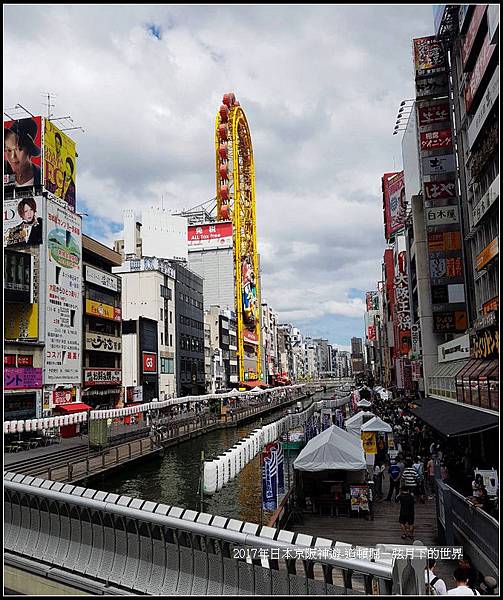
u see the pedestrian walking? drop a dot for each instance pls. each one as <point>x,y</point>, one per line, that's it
<point>394,479</point>
<point>410,478</point>
<point>434,585</point>
<point>406,516</point>
<point>461,577</point>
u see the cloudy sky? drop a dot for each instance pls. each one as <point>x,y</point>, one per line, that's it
<point>320,85</point>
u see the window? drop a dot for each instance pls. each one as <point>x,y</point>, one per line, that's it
<point>170,317</point>
<point>101,296</point>
<point>162,315</point>
<point>170,339</point>
<point>162,338</point>
<point>167,366</point>
<point>165,292</point>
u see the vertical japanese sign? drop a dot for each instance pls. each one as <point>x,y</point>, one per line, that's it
<point>438,179</point>
<point>402,307</point>
<point>269,479</point>
<point>64,296</point>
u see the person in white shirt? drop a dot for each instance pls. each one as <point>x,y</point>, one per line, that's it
<point>462,577</point>
<point>433,580</point>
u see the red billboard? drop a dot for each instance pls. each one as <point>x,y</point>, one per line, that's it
<point>210,234</point>
<point>395,203</point>
<point>439,190</point>
<point>475,77</point>
<point>434,140</point>
<point>23,152</point>
<point>471,34</point>
<point>371,333</point>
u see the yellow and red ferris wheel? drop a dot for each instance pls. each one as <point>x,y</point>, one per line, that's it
<point>235,178</point>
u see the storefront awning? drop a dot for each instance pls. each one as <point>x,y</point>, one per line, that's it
<point>74,408</point>
<point>451,419</point>
<point>450,369</point>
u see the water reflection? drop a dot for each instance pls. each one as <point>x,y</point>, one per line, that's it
<point>174,479</point>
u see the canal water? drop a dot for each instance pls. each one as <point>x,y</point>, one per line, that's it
<point>174,479</point>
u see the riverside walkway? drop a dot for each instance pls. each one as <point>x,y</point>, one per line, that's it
<point>74,461</point>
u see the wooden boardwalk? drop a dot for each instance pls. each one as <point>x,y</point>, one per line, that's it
<point>383,529</point>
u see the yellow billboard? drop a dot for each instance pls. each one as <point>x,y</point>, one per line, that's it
<point>60,163</point>
<point>369,442</point>
<point>21,321</point>
<point>105,311</point>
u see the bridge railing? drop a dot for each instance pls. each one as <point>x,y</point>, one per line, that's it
<point>142,547</point>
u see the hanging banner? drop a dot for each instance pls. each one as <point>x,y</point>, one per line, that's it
<point>269,481</point>
<point>277,448</point>
<point>369,442</point>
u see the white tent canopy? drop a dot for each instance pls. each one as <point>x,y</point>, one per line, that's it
<point>363,404</point>
<point>376,424</point>
<point>334,448</point>
<point>354,423</point>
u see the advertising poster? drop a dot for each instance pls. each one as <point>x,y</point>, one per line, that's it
<point>21,323</point>
<point>430,115</point>
<point>23,222</point>
<point>216,235</point>
<point>22,379</point>
<point>372,300</point>
<point>432,87</point>
<point>23,152</point>
<point>359,495</point>
<point>104,311</point>
<point>439,165</point>
<point>369,442</point>
<point>435,140</point>
<point>429,56</point>
<point>64,296</point>
<point>439,190</point>
<point>395,202</point>
<point>60,164</point>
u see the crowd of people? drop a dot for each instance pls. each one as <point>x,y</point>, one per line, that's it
<point>411,476</point>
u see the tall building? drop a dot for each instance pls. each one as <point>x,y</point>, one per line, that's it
<point>43,274</point>
<point>189,315</point>
<point>149,329</point>
<point>102,326</point>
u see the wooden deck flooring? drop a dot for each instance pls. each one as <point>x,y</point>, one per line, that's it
<point>383,529</point>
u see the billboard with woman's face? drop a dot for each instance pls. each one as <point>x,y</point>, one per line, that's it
<point>23,152</point>
<point>60,164</point>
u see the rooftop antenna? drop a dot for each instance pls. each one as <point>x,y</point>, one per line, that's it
<point>51,117</point>
<point>49,97</point>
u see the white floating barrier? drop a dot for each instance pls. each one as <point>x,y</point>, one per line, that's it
<point>210,477</point>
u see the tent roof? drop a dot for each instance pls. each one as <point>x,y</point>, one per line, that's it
<point>364,403</point>
<point>358,417</point>
<point>376,424</point>
<point>334,448</point>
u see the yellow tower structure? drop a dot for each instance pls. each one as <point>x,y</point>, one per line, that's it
<point>235,179</point>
